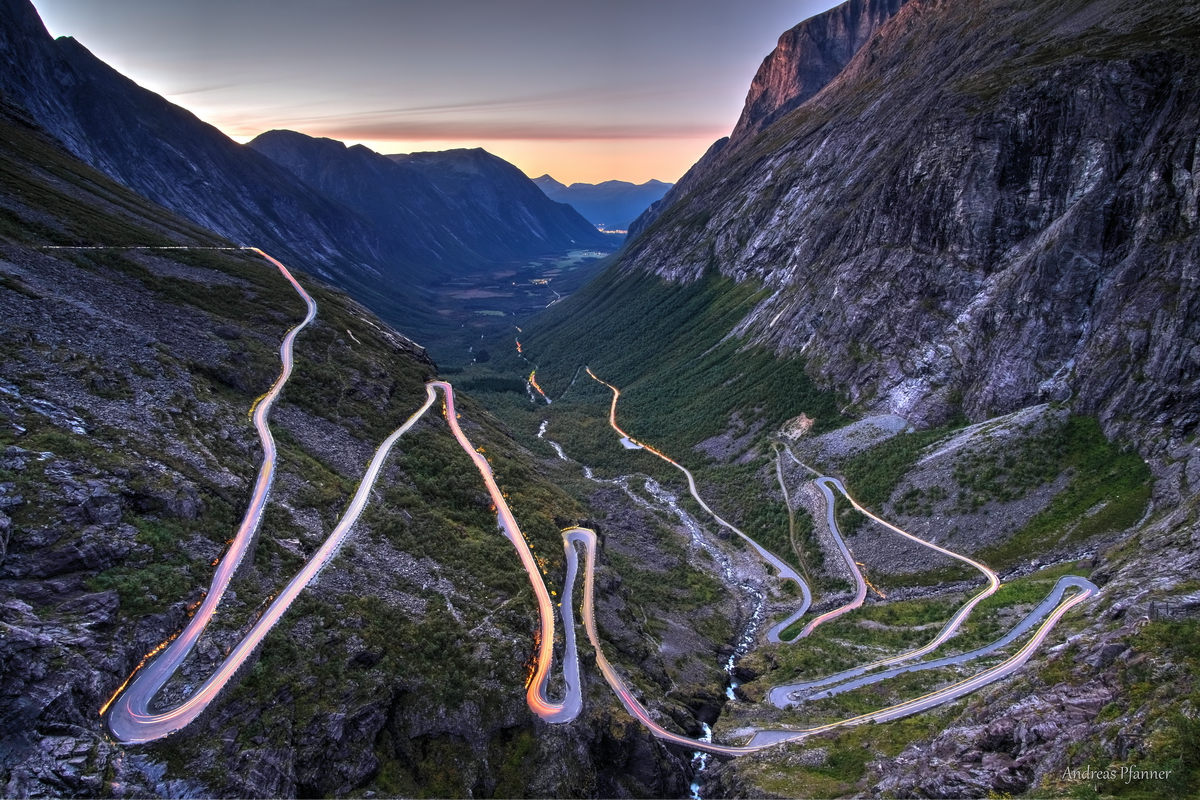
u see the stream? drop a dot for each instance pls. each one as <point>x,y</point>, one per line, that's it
<point>665,500</point>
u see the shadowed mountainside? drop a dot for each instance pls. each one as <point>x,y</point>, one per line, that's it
<point>448,212</point>
<point>357,219</point>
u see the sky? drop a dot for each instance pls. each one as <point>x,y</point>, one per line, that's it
<point>584,91</point>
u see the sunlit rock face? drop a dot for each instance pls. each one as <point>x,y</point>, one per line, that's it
<point>986,208</point>
<point>806,59</point>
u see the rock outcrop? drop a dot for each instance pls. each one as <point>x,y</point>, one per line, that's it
<point>807,59</point>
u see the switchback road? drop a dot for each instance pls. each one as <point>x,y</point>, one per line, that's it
<point>131,719</point>
<point>783,695</point>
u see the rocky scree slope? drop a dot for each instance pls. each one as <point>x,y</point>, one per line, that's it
<point>126,459</point>
<point>990,206</point>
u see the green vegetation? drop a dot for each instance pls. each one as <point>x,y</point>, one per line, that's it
<point>1155,698</point>
<point>894,626</point>
<point>984,475</point>
<point>682,587</point>
<point>174,570</point>
<point>695,387</point>
<point>1108,491</point>
<point>872,475</point>
<point>696,379</point>
<point>862,636</point>
<point>738,492</point>
<point>848,752</point>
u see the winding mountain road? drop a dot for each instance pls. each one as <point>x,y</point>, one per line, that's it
<point>783,696</point>
<point>129,713</point>
<point>129,716</point>
<point>131,719</point>
<point>784,570</point>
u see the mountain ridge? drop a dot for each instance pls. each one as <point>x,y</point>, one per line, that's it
<point>441,231</point>
<point>168,155</point>
<point>806,59</point>
<point>612,204</point>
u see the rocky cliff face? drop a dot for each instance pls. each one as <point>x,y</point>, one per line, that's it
<point>989,206</point>
<point>806,59</point>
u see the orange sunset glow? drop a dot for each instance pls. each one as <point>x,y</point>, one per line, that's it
<point>583,92</point>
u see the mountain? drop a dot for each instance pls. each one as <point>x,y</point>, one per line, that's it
<point>377,227</point>
<point>126,461</point>
<point>612,205</point>
<point>446,212</point>
<point>168,155</point>
<point>975,223</point>
<point>956,273</point>
<point>806,59</point>
<point>968,218</point>
<point>494,190</point>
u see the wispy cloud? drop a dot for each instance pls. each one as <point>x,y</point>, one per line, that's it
<point>216,87</point>
<point>474,130</point>
<point>603,114</point>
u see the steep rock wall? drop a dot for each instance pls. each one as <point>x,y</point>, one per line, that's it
<point>988,207</point>
<point>803,63</point>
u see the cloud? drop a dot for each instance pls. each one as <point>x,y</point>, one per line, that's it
<point>474,130</point>
<point>604,113</point>
<point>216,87</point>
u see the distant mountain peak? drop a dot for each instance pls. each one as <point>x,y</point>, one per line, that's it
<point>448,209</point>
<point>611,205</point>
<point>546,183</point>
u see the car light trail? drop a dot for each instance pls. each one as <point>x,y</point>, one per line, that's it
<point>784,569</point>
<point>533,382</point>
<point>781,696</point>
<point>127,711</point>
